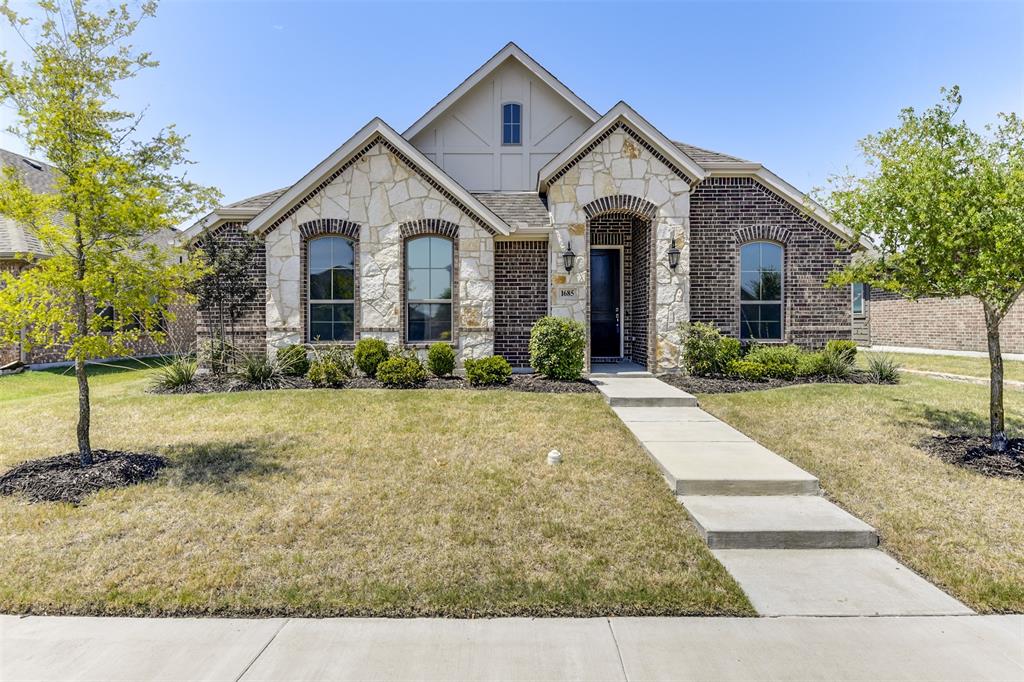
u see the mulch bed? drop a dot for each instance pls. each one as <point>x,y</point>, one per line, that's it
<point>692,384</point>
<point>64,479</point>
<point>972,452</point>
<point>523,383</point>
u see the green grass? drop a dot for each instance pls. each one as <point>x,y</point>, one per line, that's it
<point>960,529</point>
<point>350,502</point>
<point>951,364</point>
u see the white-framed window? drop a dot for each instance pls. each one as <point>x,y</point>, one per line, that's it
<point>761,291</point>
<point>428,289</point>
<point>511,123</point>
<point>858,298</point>
<point>331,281</point>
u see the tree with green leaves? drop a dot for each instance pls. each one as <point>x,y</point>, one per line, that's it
<point>114,189</point>
<point>944,206</point>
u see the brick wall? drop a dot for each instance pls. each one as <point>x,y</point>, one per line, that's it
<point>727,212</point>
<point>251,327</point>
<point>632,233</point>
<point>940,323</point>
<point>520,296</point>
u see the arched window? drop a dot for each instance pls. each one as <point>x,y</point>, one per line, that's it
<point>511,123</point>
<point>331,289</point>
<point>428,289</point>
<point>761,291</point>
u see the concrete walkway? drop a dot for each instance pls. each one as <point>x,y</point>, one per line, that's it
<point>110,649</point>
<point>792,551</point>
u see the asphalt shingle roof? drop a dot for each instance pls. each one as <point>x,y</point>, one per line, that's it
<point>517,209</point>
<point>14,238</point>
<point>259,201</point>
<point>701,155</point>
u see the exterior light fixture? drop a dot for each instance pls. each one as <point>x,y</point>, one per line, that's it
<point>568,257</point>
<point>673,255</point>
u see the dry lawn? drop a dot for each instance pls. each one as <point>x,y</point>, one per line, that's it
<point>952,364</point>
<point>962,530</point>
<point>350,502</point>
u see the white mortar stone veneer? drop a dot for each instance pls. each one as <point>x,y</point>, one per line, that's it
<point>619,165</point>
<point>379,193</point>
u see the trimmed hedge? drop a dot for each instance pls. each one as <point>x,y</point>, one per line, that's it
<point>401,371</point>
<point>706,352</point>
<point>557,346</point>
<point>369,353</point>
<point>441,359</point>
<point>488,371</point>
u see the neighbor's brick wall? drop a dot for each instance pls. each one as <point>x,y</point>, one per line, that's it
<point>520,296</point>
<point>726,212</point>
<point>940,323</point>
<point>10,352</point>
<point>251,327</point>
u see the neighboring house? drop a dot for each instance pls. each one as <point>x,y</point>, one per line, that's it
<point>512,198</point>
<point>956,324</point>
<point>19,249</point>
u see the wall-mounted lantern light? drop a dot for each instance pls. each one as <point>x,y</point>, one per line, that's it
<point>568,257</point>
<point>673,255</point>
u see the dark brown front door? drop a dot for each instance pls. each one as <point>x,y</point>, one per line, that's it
<point>605,303</point>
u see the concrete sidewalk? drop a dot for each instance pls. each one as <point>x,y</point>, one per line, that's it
<point>933,648</point>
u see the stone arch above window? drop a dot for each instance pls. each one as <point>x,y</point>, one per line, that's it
<point>762,233</point>
<point>621,203</point>
<point>426,226</point>
<point>326,226</point>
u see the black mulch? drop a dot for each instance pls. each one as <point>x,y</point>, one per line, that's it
<point>972,452</point>
<point>692,384</point>
<point>524,383</point>
<point>64,479</point>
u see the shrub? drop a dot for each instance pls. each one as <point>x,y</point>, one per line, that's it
<point>883,369</point>
<point>836,363</point>
<point>779,362</point>
<point>487,371</point>
<point>401,371</point>
<point>259,371</point>
<point>441,359</point>
<point>557,345</point>
<point>330,368</point>
<point>809,365</point>
<point>369,354</point>
<point>746,369</point>
<point>179,372</point>
<point>843,347</point>
<point>706,352</point>
<point>293,361</point>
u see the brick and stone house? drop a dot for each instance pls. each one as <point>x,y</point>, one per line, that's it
<point>19,249</point>
<point>512,198</point>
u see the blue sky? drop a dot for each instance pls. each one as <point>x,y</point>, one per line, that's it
<point>268,89</point>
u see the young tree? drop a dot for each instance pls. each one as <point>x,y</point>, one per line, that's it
<point>945,207</point>
<point>227,287</point>
<point>112,190</point>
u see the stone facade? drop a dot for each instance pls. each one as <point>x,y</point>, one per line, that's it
<point>940,323</point>
<point>520,296</point>
<point>382,193</point>
<point>725,213</point>
<point>620,174</point>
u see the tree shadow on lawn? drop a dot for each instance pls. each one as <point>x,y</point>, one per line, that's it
<point>952,422</point>
<point>225,466</point>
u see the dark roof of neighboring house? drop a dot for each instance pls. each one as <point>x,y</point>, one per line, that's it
<point>517,209</point>
<point>14,238</point>
<point>701,155</point>
<point>260,201</point>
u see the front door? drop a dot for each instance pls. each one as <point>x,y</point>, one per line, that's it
<point>605,303</point>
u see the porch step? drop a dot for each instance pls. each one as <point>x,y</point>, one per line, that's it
<point>624,391</point>
<point>728,468</point>
<point>776,522</point>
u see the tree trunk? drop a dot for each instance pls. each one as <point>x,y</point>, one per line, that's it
<point>997,419</point>
<point>84,442</point>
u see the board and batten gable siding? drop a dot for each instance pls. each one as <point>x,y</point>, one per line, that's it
<point>465,140</point>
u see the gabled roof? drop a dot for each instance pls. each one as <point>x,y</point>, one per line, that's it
<point>518,209</point>
<point>15,240</point>
<point>624,115</point>
<point>701,155</point>
<point>376,129</point>
<point>510,51</point>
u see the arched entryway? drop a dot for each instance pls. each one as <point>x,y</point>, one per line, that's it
<point>620,311</point>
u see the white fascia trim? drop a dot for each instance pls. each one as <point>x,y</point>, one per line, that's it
<point>214,219</point>
<point>342,154</point>
<point>534,67</point>
<point>624,113</point>
<point>730,169</point>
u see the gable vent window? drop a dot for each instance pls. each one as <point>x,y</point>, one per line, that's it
<point>512,123</point>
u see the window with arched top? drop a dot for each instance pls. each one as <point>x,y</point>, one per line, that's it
<point>331,282</point>
<point>428,289</point>
<point>761,291</point>
<point>511,123</point>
